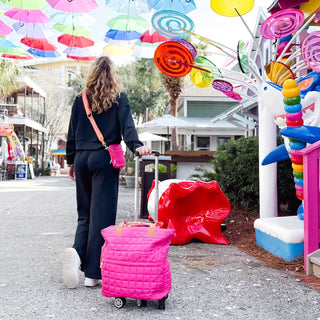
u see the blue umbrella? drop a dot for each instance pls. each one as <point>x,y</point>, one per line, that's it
<point>122,35</point>
<point>129,6</point>
<point>183,6</point>
<point>44,54</point>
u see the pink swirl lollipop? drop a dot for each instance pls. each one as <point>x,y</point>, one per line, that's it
<point>310,49</point>
<point>282,24</point>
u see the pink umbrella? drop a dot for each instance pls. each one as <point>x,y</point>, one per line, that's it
<point>73,6</point>
<point>81,58</point>
<point>153,37</point>
<point>31,16</point>
<point>4,29</point>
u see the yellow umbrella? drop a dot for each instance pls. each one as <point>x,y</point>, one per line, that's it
<point>227,7</point>
<point>117,50</point>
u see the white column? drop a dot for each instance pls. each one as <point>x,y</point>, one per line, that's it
<point>268,173</point>
<point>188,138</point>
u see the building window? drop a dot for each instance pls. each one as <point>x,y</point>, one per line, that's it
<point>222,140</point>
<point>203,143</point>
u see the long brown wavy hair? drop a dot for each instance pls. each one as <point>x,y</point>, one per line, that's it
<point>103,84</point>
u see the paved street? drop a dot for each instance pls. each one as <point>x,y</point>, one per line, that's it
<point>38,219</point>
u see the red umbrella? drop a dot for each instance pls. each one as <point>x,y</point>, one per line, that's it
<point>152,37</point>
<point>15,56</point>
<point>81,58</point>
<point>75,41</point>
<point>38,43</point>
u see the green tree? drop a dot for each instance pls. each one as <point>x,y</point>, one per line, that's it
<point>143,86</point>
<point>9,74</point>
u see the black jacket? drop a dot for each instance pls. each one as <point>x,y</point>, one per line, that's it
<point>114,124</point>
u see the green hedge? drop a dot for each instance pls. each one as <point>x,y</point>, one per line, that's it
<point>236,166</point>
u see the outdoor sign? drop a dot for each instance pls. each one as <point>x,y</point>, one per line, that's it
<point>21,171</point>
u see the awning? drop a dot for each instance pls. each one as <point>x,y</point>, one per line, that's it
<point>59,152</point>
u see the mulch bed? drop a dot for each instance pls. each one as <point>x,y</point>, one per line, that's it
<point>240,233</point>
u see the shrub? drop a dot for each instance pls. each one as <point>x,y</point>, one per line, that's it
<point>236,166</point>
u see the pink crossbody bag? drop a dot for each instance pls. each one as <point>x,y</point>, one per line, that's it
<point>115,150</point>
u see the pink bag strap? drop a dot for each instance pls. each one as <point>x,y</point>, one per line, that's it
<point>92,121</point>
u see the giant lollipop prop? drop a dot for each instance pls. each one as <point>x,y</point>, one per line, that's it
<point>310,49</point>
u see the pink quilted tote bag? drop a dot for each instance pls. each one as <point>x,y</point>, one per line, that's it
<point>134,261</point>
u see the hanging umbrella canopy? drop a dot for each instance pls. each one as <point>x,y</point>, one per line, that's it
<point>122,35</point>
<point>117,50</point>
<point>227,7</point>
<point>128,43</point>
<point>44,54</point>
<point>29,16</point>
<point>147,136</point>
<point>153,37</point>
<point>76,31</point>
<point>75,41</point>
<point>4,29</point>
<point>32,30</point>
<point>74,19</point>
<point>127,22</point>
<point>183,6</point>
<point>81,58</point>
<point>26,4</point>
<point>24,56</point>
<point>73,6</point>
<point>134,7</point>
<point>38,43</point>
<point>78,52</point>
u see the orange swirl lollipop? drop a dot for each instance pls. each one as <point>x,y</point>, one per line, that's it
<point>173,59</point>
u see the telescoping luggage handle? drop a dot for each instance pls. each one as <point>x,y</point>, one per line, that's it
<point>156,182</point>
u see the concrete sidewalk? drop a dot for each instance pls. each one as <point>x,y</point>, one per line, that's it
<point>38,220</point>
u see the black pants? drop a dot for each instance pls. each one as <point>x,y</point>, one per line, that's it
<point>97,184</point>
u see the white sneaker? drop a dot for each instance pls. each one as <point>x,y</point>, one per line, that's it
<point>88,282</point>
<point>70,267</point>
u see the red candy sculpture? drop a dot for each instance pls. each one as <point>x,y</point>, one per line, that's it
<point>194,210</point>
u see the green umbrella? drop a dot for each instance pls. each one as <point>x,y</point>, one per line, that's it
<point>26,4</point>
<point>74,30</point>
<point>128,22</point>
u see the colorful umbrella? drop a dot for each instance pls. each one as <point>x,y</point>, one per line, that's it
<point>7,46</point>
<point>117,50</point>
<point>26,4</point>
<point>75,31</point>
<point>44,54</point>
<point>75,41</point>
<point>73,6</point>
<point>122,35</point>
<point>32,30</point>
<point>129,6</point>
<point>75,19</point>
<point>183,6</point>
<point>153,37</point>
<point>144,49</point>
<point>4,29</point>
<point>81,58</point>
<point>231,8</point>
<point>24,56</point>
<point>120,42</point>
<point>29,16</point>
<point>38,43</point>
<point>78,52</point>
<point>127,22</point>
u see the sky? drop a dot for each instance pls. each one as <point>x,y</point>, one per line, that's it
<point>225,30</point>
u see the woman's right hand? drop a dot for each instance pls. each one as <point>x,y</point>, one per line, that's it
<point>71,173</point>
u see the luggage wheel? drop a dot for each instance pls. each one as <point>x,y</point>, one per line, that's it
<point>162,303</point>
<point>141,303</point>
<point>119,302</point>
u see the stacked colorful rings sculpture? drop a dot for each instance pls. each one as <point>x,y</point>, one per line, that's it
<point>282,24</point>
<point>293,107</point>
<point>310,49</point>
<point>169,24</point>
